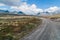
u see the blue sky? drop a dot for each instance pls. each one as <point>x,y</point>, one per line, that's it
<point>39,3</point>
<point>44,3</point>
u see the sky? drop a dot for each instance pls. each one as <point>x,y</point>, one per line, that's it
<point>30,6</point>
<point>44,3</point>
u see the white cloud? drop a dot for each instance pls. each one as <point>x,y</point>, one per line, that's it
<point>3,8</point>
<point>28,9</point>
<point>11,2</point>
<point>52,9</point>
<point>18,5</point>
<point>1,4</point>
<point>33,10</point>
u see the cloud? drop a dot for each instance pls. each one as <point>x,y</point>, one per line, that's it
<point>52,9</point>
<point>19,5</point>
<point>11,2</point>
<point>1,4</point>
<point>33,10</point>
<point>28,9</point>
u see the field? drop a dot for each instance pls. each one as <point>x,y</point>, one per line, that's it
<point>14,28</point>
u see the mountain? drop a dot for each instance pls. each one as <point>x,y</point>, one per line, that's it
<point>38,13</point>
<point>4,11</point>
<point>14,13</point>
<point>21,13</point>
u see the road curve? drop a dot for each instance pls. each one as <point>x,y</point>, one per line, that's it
<point>49,30</point>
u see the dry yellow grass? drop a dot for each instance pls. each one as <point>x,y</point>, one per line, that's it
<point>14,27</point>
<point>55,16</point>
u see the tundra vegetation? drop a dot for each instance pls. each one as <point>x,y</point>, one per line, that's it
<point>16,28</point>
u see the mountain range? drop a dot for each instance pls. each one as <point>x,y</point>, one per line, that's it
<point>6,12</point>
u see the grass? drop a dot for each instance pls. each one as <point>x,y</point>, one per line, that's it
<point>16,28</point>
<point>55,16</point>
